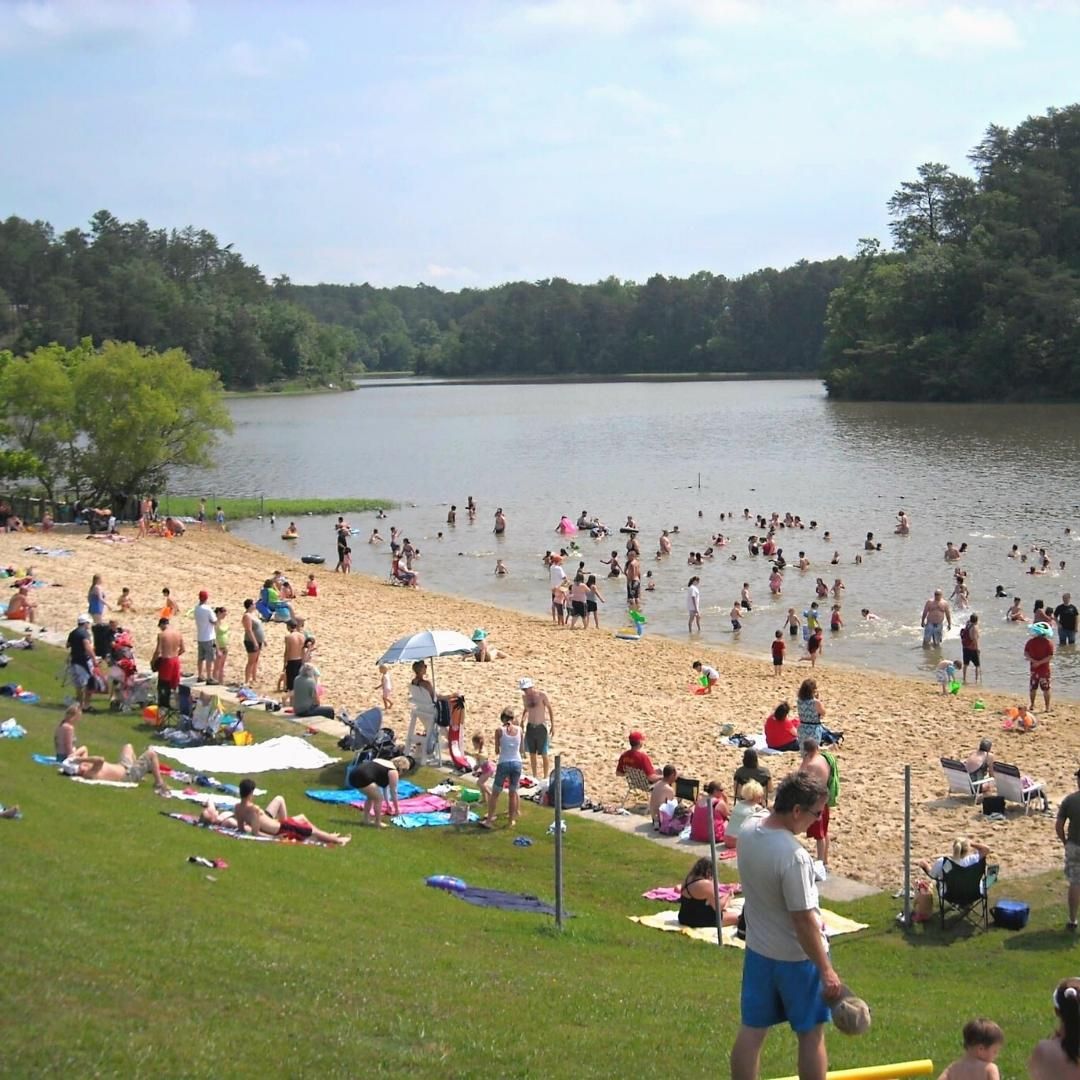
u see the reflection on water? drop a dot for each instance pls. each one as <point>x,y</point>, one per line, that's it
<point>989,476</point>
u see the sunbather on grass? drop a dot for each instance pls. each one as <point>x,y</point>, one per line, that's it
<point>129,769</point>
<point>273,821</point>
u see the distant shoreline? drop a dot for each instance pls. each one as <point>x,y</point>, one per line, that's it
<point>379,380</point>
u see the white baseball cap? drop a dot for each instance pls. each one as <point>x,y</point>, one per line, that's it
<point>525,684</point>
<point>84,618</point>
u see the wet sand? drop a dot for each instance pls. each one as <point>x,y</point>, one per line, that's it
<point>600,689</point>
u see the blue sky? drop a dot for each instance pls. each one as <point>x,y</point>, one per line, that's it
<point>473,142</point>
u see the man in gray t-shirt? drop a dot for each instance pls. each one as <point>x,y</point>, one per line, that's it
<point>1068,832</point>
<point>787,973</point>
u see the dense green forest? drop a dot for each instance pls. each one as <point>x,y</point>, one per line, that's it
<point>981,299</point>
<point>123,281</point>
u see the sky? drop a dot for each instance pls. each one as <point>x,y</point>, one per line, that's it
<point>463,143</point>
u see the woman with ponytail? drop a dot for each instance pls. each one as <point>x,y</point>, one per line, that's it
<point>1058,1058</point>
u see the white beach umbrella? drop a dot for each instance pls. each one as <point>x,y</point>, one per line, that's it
<point>426,645</point>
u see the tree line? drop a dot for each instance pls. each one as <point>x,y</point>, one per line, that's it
<point>980,300</point>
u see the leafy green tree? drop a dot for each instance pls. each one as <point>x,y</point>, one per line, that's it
<point>140,414</point>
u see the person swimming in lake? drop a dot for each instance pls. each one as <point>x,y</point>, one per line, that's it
<point>500,568</point>
<point>291,533</point>
<point>1016,612</point>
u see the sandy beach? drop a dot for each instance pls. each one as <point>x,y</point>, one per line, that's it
<point>600,688</point>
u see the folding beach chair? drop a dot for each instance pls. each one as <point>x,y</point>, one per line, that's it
<point>960,781</point>
<point>964,889</point>
<point>637,785</point>
<point>1013,787</point>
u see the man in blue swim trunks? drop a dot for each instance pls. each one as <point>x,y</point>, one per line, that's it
<point>787,972</point>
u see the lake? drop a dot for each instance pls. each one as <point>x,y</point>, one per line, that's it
<point>681,454</point>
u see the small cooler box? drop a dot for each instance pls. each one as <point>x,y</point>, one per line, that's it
<point>1010,914</point>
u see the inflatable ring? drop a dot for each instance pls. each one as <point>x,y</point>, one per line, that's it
<point>290,536</point>
<point>312,560</point>
<point>445,881</point>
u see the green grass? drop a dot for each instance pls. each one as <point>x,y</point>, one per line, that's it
<point>293,388</point>
<point>188,506</point>
<point>122,959</point>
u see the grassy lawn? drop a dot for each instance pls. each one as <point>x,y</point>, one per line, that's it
<point>188,506</point>
<point>123,959</point>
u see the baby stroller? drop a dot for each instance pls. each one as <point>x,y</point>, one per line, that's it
<point>368,738</point>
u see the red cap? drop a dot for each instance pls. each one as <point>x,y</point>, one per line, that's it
<point>636,736</point>
<point>203,596</point>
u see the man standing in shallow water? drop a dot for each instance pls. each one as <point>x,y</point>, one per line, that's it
<point>935,613</point>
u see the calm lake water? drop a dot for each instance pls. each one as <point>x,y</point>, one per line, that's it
<point>989,476</point>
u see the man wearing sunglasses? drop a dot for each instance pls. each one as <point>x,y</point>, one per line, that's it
<point>787,973</point>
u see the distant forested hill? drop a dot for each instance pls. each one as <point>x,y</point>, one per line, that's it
<point>981,299</point>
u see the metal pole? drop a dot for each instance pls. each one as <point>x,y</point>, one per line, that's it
<point>557,780</point>
<point>907,847</point>
<point>715,877</point>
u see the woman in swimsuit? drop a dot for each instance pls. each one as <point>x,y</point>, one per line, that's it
<point>698,898</point>
<point>372,778</point>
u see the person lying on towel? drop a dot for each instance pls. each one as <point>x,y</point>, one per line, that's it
<point>130,769</point>
<point>273,821</point>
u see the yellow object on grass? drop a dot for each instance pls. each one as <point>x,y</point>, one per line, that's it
<point>898,1071</point>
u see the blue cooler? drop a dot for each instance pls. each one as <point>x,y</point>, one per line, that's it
<point>1010,914</point>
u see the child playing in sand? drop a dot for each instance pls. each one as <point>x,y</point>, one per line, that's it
<point>312,586</point>
<point>484,769</point>
<point>386,686</point>
<point>983,1040</point>
<point>778,648</point>
<point>945,673</point>
<point>125,603</point>
<point>836,620</point>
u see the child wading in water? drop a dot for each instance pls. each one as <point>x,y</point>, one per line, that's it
<point>484,769</point>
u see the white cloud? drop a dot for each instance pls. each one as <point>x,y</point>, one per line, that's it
<point>614,17</point>
<point>261,61</point>
<point>36,23</point>
<point>437,272</point>
<point>932,29</point>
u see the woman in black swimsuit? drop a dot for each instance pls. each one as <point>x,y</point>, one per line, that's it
<point>372,778</point>
<point>697,898</point>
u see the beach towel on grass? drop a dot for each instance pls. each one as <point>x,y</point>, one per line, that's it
<point>835,925</point>
<point>421,821</point>
<point>235,834</point>
<point>45,759</point>
<point>506,901</point>
<point>284,752</point>
<point>405,790</point>
<point>674,892</point>
<point>103,783</point>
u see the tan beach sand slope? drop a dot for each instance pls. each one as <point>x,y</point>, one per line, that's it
<point>601,688</point>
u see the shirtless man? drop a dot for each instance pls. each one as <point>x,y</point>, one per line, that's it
<point>951,554</point>
<point>273,821</point>
<point>537,709</point>
<point>903,524</point>
<point>814,764</point>
<point>935,613</point>
<point>168,649</point>
<point>129,769</point>
<point>294,655</point>
<point>632,573</point>
<point>665,543</point>
<point>500,522</point>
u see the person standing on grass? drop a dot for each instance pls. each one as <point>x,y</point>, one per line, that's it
<point>787,972</point>
<point>168,649</point>
<point>1067,827</point>
<point>205,619</point>
<point>81,661</point>
<point>508,767</point>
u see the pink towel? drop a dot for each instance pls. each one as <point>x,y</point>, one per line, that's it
<point>672,892</point>
<point>417,804</point>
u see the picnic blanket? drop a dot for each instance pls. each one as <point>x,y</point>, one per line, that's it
<point>673,892</point>
<point>835,925</point>
<point>420,821</point>
<point>505,901</point>
<point>284,752</point>
<point>188,819</point>
<point>760,745</point>
<point>405,789</point>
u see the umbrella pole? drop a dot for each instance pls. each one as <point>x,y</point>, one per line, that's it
<point>438,737</point>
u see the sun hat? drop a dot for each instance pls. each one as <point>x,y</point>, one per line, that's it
<point>525,684</point>
<point>479,635</point>
<point>636,736</point>
<point>84,618</point>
